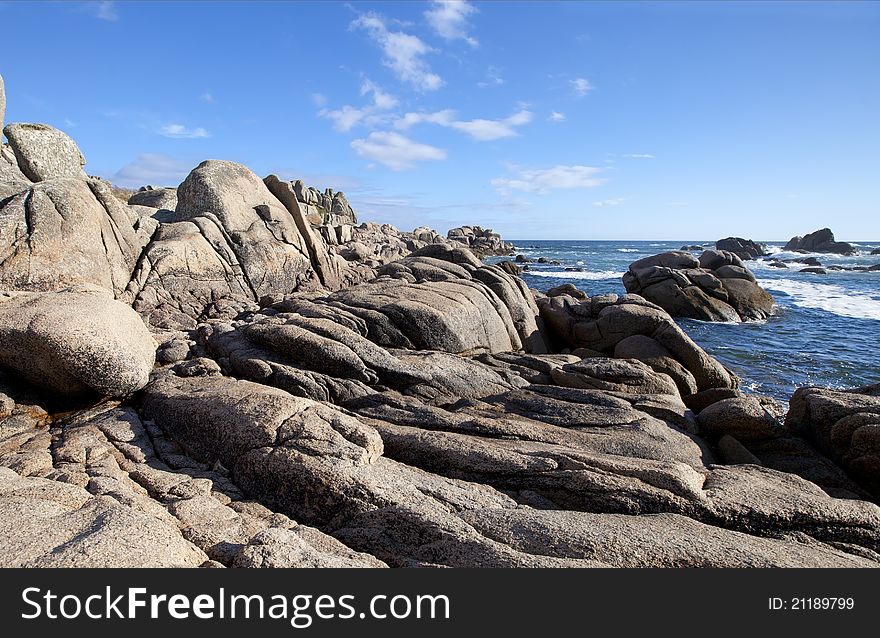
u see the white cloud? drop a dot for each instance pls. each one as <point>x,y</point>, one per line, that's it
<point>544,180</point>
<point>151,168</point>
<point>206,97</point>
<point>319,99</point>
<point>402,53</point>
<point>179,131</point>
<point>617,201</point>
<point>69,122</point>
<point>639,156</point>
<point>348,116</point>
<point>556,116</point>
<point>581,86</point>
<point>448,19</point>
<point>344,119</point>
<point>487,130</point>
<point>381,100</point>
<point>395,151</point>
<point>105,11</point>
<point>443,118</point>
<point>479,129</point>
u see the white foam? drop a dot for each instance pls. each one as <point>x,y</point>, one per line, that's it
<point>827,297</point>
<point>628,250</point>
<point>573,274</point>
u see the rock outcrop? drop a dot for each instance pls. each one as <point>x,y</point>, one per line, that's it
<point>715,287</point>
<point>745,249</point>
<point>632,328</point>
<point>844,425</point>
<point>481,241</point>
<point>65,232</point>
<point>820,241</point>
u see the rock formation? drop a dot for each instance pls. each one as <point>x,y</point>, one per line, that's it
<point>820,241</point>
<point>845,425</point>
<point>715,287</point>
<point>212,376</point>
<point>481,241</point>
<point>745,249</point>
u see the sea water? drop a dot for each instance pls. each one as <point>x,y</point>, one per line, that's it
<point>825,332</point>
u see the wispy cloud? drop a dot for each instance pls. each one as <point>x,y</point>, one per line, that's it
<point>381,99</point>
<point>347,117</point>
<point>402,52</point>
<point>319,99</point>
<point>545,180</point>
<point>493,78</point>
<point>179,131</point>
<point>206,97</point>
<point>581,86</point>
<point>449,20</point>
<point>556,116</point>
<point>616,201</point>
<point>480,129</point>
<point>395,151</point>
<point>105,11</point>
<point>151,168</point>
<point>639,156</point>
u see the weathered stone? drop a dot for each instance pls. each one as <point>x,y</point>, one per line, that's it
<point>43,152</point>
<point>717,287</point>
<point>164,198</point>
<point>45,523</point>
<point>742,418</point>
<point>66,232</point>
<point>845,425</point>
<point>75,341</point>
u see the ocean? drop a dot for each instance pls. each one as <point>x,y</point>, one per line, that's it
<point>826,331</point>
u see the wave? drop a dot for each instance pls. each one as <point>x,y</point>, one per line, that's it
<point>571,274</point>
<point>828,297</point>
<point>628,250</point>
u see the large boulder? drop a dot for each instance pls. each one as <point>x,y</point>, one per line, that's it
<point>65,232</point>
<point>715,287</point>
<point>742,248</point>
<point>601,323</point>
<point>820,241</point>
<point>43,152</point>
<point>257,228</point>
<point>77,341</point>
<point>843,424</point>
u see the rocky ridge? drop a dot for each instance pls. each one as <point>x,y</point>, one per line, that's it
<point>220,384</point>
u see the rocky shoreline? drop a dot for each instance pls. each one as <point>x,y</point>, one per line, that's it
<point>236,373</point>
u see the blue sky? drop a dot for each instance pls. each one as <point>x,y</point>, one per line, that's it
<point>541,120</point>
